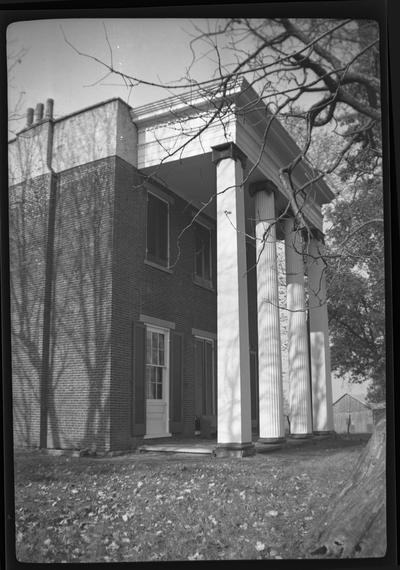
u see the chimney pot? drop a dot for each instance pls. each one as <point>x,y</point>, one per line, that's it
<point>29,117</point>
<point>49,108</point>
<point>39,112</point>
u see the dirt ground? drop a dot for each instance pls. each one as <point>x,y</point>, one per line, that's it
<point>152,506</point>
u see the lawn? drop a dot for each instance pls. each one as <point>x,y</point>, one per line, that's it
<point>145,507</point>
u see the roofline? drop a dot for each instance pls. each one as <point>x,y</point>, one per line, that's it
<point>291,145</point>
<point>90,107</point>
<point>198,97</point>
<point>354,398</point>
<point>150,111</point>
<point>236,88</point>
<point>73,114</point>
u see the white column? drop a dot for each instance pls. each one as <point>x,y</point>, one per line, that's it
<point>319,340</point>
<point>298,356</point>
<point>234,406</point>
<point>271,424</point>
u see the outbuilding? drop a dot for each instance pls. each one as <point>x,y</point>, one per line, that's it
<point>352,415</point>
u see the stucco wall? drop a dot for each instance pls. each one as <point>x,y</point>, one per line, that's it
<point>86,136</point>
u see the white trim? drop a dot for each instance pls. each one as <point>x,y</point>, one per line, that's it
<point>154,321</point>
<point>269,165</point>
<point>158,193</point>
<point>280,133</point>
<point>206,335</point>
<point>157,436</point>
<point>166,379</point>
<point>181,103</point>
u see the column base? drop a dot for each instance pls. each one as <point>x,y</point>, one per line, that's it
<point>234,450</point>
<point>277,440</point>
<point>324,433</point>
<point>300,435</point>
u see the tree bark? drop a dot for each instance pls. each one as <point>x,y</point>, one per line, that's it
<point>355,527</point>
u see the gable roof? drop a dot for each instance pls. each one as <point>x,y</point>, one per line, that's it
<point>370,405</point>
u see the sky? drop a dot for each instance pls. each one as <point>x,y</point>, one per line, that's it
<point>152,49</point>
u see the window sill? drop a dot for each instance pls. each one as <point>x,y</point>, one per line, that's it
<point>157,266</point>
<point>204,284</point>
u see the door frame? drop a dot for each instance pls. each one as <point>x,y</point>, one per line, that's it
<point>149,327</point>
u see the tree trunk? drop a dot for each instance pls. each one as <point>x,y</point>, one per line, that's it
<point>355,527</point>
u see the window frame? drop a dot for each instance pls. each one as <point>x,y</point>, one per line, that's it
<point>200,280</point>
<point>214,387</point>
<point>150,330</point>
<point>152,262</point>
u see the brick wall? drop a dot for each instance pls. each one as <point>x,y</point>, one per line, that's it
<point>27,238</point>
<point>80,346</point>
<point>142,289</point>
<point>81,341</point>
<point>101,285</point>
<point>139,288</point>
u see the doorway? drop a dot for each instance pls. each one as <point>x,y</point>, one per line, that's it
<point>157,382</point>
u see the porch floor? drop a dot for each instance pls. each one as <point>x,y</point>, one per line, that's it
<point>204,446</point>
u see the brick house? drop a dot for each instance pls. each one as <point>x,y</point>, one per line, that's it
<point>116,248</point>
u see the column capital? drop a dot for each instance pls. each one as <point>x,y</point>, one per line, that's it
<point>228,150</point>
<point>263,186</point>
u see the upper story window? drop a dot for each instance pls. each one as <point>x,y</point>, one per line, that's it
<point>157,250</point>
<point>202,260</point>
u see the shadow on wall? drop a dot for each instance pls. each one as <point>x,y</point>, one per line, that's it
<point>79,348</point>
<point>83,290</point>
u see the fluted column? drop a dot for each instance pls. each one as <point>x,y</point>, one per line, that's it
<point>319,338</point>
<point>298,356</point>
<point>271,424</point>
<point>233,380</point>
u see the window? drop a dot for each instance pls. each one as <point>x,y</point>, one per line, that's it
<point>205,385</point>
<point>202,260</point>
<point>157,230</point>
<point>155,364</point>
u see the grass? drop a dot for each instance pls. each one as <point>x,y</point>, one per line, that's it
<point>142,507</point>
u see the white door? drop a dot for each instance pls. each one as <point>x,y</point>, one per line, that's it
<point>157,382</point>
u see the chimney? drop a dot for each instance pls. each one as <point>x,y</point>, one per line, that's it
<point>39,112</point>
<point>49,108</point>
<point>29,117</point>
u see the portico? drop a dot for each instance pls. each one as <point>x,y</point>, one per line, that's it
<point>245,196</point>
